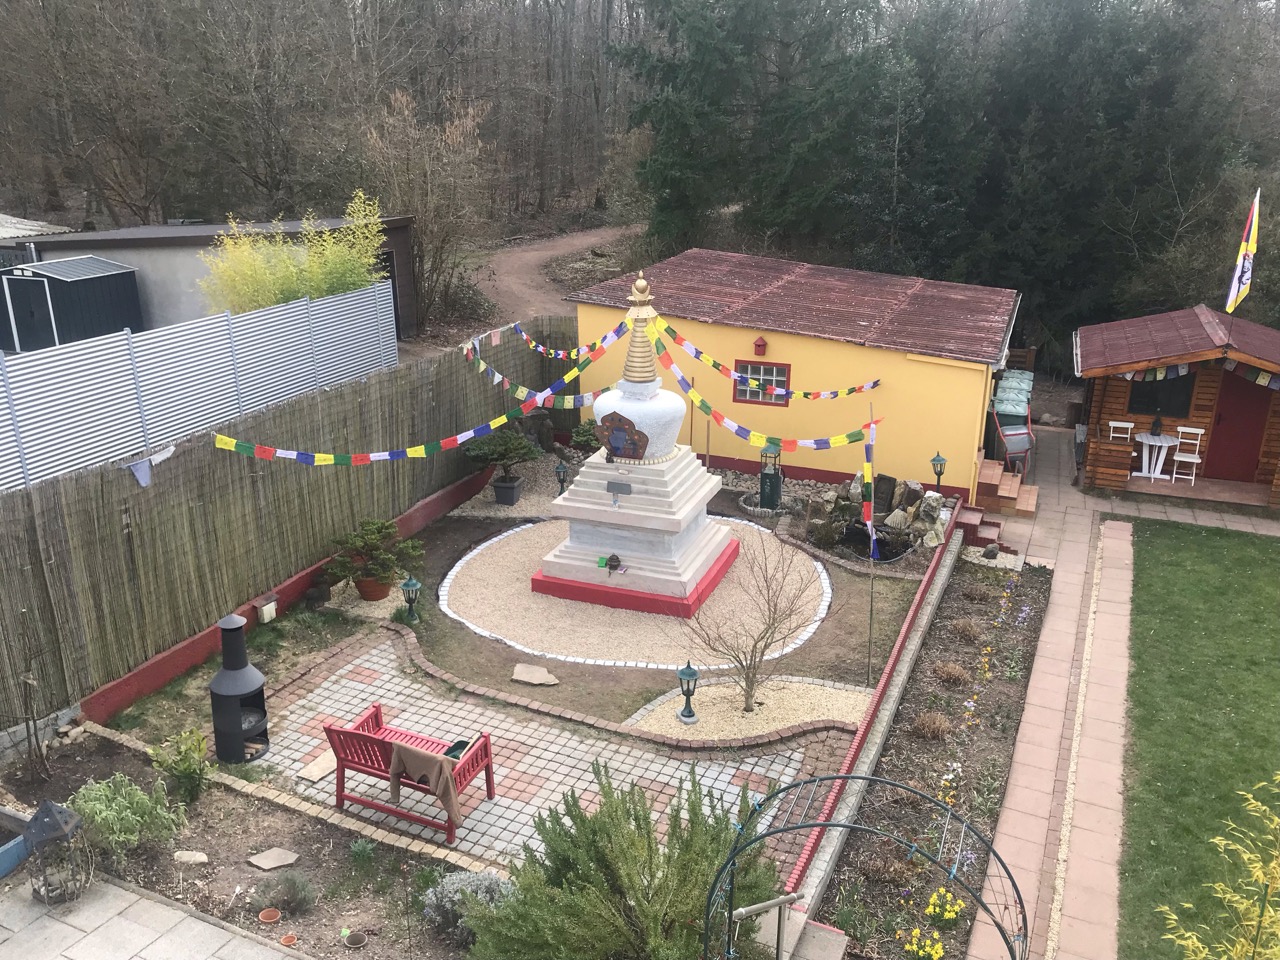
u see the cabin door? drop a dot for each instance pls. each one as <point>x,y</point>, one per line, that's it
<point>1238,425</point>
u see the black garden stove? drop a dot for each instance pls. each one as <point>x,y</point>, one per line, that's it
<point>239,699</point>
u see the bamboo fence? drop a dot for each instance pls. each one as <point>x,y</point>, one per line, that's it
<point>98,573</point>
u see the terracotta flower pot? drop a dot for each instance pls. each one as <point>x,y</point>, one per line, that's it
<point>355,940</point>
<point>372,589</point>
<point>269,915</point>
<point>288,940</point>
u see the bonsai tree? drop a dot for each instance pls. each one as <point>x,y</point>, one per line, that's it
<point>375,551</point>
<point>503,448</point>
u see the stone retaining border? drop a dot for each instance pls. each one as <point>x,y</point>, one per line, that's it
<point>289,801</point>
<point>447,582</point>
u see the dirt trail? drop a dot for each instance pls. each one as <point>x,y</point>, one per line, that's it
<point>514,278</point>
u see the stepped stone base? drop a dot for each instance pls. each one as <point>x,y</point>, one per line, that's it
<point>659,530</point>
<point>620,598</point>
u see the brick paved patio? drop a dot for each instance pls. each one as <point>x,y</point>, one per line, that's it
<point>535,761</point>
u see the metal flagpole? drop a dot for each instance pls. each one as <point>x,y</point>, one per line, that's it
<point>871,605</point>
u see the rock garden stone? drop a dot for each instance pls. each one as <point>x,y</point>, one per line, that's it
<point>535,676</point>
<point>897,520</point>
<point>913,493</point>
<point>882,493</point>
<point>190,857</point>
<point>990,551</point>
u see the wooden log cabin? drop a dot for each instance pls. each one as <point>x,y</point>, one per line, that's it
<point>1193,368</point>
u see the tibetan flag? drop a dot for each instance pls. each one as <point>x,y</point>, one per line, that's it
<point>1243,276</point>
<point>223,443</point>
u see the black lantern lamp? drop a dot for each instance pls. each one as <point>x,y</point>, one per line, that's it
<point>939,464</point>
<point>688,675</point>
<point>60,863</point>
<point>411,588</point>
<point>562,474</point>
<point>770,477</point>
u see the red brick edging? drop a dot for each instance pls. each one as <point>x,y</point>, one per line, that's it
<point>860,739</point>
<point>407,649</point>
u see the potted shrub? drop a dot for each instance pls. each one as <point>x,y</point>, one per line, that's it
<point>372,557</point>
<point>504,449</point>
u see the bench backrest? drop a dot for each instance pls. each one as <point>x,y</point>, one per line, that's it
<point>359,748</point>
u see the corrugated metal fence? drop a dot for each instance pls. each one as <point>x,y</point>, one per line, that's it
<point>85,403</point>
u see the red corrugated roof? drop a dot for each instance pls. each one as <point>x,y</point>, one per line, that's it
<point>1172,337</point>
<point>953,320</point>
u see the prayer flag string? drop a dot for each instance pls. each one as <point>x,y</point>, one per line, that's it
<point>542,398</point>
<point>753,437</point>
<point>754,384</point>
<point>612,336</point>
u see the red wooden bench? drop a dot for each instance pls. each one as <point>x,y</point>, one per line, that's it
<point>366,746</point>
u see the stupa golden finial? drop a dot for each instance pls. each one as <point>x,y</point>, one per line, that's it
<point>640,366</point>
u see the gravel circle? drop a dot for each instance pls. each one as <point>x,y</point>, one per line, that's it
<point>489,590</point>
<point>779,704</point>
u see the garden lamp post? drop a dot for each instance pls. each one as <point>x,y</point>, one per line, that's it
<point>688,676</point>
<point>939,464</point>
<point>411,588</point>
<point>562,474</point>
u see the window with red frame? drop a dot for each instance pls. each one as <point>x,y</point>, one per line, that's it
<point>767,375</point>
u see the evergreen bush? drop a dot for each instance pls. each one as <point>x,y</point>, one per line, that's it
<point>373,552</point>
<point>605,886</point>
<point>584,436</point>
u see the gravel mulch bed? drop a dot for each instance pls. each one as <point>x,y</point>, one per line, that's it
<point>539,489</point>
<point>779,704</point>
<point>491,590</point>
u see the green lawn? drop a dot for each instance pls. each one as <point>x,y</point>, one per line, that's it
<point>1204,713</point>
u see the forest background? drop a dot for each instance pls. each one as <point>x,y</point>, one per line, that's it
<point>1099,156</point>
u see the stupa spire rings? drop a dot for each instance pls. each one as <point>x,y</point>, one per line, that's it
<point>640,366</point>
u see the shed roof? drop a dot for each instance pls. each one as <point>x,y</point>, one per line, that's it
<point>13,228</point>
<point>181,234</point>
<point>73,268</point>
<point>1179,336</point>
<point>908,314</point>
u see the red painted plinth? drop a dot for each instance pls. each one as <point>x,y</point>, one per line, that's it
<point>620,598</point>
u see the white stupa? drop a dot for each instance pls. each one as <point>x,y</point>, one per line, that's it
<point>640,500</point>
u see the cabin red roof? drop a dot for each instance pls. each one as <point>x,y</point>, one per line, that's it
<point>954,320</point>
<point>1193,333</point>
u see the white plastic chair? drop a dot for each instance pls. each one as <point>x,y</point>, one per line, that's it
<point>1120,430</point>
<point>1187,452</point>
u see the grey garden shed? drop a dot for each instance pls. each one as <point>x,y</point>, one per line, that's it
<point>59,301</point>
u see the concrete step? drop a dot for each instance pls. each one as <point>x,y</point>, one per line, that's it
<point>989,476</point>
<point>820,942</point>
<point>1010,484</point>
<point>986,534</point>
<point>1026,502</point>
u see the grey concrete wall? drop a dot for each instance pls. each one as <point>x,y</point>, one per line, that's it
<point>167,279</point>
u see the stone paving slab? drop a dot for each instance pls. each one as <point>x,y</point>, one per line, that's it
<point>112,922</point>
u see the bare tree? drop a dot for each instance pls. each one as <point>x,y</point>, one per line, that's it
<point>777,586</point>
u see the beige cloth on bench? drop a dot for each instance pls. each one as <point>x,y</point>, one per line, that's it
<point>432,769</point>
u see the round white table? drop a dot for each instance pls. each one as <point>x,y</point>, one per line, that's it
<point>1154,449</point>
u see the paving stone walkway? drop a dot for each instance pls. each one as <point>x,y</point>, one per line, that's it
<point>1061,825</point>
<point>535,762</point>
<point>112,923</point>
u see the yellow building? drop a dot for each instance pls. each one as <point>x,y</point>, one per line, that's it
<point>932,346</point>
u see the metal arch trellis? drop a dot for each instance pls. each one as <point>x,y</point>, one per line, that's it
<point>948,841</point>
